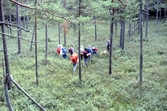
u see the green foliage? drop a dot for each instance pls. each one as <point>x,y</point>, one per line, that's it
<point>60,89</point>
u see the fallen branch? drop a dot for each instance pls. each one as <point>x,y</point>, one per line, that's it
<point>22,90</point>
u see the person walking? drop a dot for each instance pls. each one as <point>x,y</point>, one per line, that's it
<point>86,56</point>
<point>74,61</point>
<point>81,52</point>
<point>63,52</point>
<point>71,50</point>
<point>108,45</point>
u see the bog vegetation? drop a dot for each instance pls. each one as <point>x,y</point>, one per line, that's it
<point>59,89</point>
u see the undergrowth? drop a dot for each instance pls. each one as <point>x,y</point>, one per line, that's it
<point>59,89</point>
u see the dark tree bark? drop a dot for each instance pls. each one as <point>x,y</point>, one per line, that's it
<point>82,27</point>
<point>95,25</point>
<point>7,82</point>
<point>147,18</point>
<point>79,36</point>
<point>32,39</point>
<point>64,39</point>
<point>157,10</point>
<point>74,26</point>
<point>164,15</point>
<point>111,39</point>
<point>19,31</point>
<point>122,35</point>
<point>59,32</point>
<point>10,20</point>
<point>130,28</point>
<point>120,41</point>
<point>116,27</point>
<point>36,46</point>
<point>141,42</point>
<point>46,42</point>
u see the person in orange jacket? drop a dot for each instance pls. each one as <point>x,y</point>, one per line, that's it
<point>74,61</point>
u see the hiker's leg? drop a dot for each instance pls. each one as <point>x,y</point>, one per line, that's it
<point>75,67</point>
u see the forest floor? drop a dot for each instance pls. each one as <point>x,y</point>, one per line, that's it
<point>59,89</point>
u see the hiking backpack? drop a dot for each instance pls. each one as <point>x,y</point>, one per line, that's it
<point>64,50</point>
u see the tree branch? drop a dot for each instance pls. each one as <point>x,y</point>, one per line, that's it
<point>23,5</point>
<point>122,3</point>
<point>16,37</point>
<point>7,24</point>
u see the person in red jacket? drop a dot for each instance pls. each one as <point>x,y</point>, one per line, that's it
<point>74,61</point>
<point>58,49</point>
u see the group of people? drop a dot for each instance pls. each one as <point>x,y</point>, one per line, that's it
<point>85,53</point>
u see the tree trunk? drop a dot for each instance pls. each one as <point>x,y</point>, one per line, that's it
<point>141,42</point>
<point>18,24</point>
<point>122,35</point>
<point>147,18</point>
<point>32,38</point>
<point>7,82</point>
<point>79,36</point>
<point>120,41</point>
<point>10,20</point>
<point>36,49</point>
<point>95,28</point>
<point>116,26</point>
<point>157,12</point>
<point>82,27</point>
<point>130,27</point>
<point>164,15</point>
<point>46,42</point>
<point>59,32</point>
<point>64,39</point>
<point>111,39</point>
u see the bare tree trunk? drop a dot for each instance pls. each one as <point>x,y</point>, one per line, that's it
<point>95,28</point>
<point>120,41</point>
<point>32,38</point>
<point>18,32</point>
<point>7,82</point>
<point>83,27</point>
<point>111,39</point>
<point>122,35</point>
<point>64,39</point>
<point>116,26</point>
<point>10,20</point>
<point>79,36</point>
<point>46,42</point>
<point>59,32</point>
<point>141,42</point>
<point>130,28</point>
<point>157,10</point>
<point>36,46</point>
<point>147,18</point>
<point>164,15</point>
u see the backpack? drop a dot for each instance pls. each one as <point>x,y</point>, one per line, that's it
<point>70,51</point>
<point>58,50</point>
<point>89,50</point>
<point>74,58</point>
<point>96,49</point>
<point>64,50</point>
